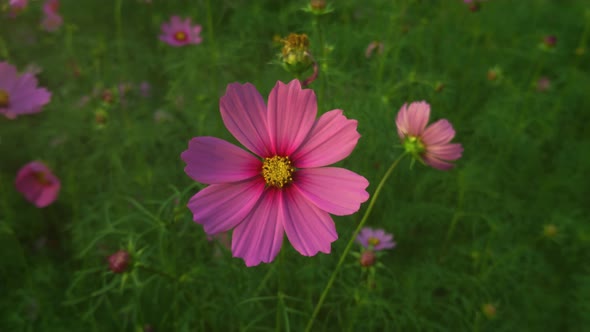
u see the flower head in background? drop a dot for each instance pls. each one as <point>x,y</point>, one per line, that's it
<point>430,145</point>
<point>38,184</point>
<point>543,84</point>
<point>119,261</point>
<point>180,33</point>
<point>284,186</point>
<point>17,6</point>
<point>375,239</point>
<point>374,47</point>
<point>52,20</point>
<point>19,94</point>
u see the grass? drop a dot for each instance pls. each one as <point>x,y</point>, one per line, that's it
<point>466,238</point>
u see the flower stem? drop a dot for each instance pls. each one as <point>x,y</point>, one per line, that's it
<point>351,242</point>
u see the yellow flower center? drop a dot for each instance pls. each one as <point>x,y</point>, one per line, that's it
<point>374,241</point>
<point>277,171</point>
<point>180,36</point>
<point>4,98</point>
<point>414,145</point>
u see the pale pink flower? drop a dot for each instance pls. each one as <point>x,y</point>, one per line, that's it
<point>427,144</point>
<point>19,94</point>
<point>38,184</point>
<point>18,4</point>
<point>284,186</point>
<point>52,22</point>
<point>375,239</point>
<point>180,33</point>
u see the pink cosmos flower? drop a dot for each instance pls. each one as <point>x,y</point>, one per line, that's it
<point>38,184</point>
<point>180,33</point>
<point>52,20</point>
<point>427,144</point>
<point>375,239</point>
<point>284,187</point>
<point>19,93</point>
<point>20,4</point>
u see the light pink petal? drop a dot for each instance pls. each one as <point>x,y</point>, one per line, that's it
<point>8,76</point>
<point>418,115</point>
<point>220,207</point>
<point>308,228</point>
<point>291,114</point>
<point>48,195</point>
<point>213,160</point>
<point>334,190</point>
<point>401,122</point>
<point>196,30</point>
<point>244,114</point>
<point>436,163</point>
<point>446,151</point>
<point>259,237</point>
<point>175,22</point>
<point>440,132</point>
<point>331,139</point>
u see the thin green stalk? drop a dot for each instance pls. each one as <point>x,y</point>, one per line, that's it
<point>212,42</point>
<point>351,242</point>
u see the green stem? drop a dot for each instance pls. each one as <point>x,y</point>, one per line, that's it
<point>351,242</point>
<point>213,43</point>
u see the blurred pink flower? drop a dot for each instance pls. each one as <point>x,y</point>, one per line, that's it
<point>38,184</point>
<point>19,93</point>
<point>52,20</point>
<point>119,261</point>
<point>145,89</point>
<point>180,33</point>
<point>282,188</point>
<point>543,84</point>
<point>375,239</point>
<point>427,144</point>
<point>18,4</point>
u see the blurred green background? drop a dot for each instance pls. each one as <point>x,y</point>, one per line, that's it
<point>500,243</point>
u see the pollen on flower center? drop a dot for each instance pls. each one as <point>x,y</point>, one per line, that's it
<point>414,145</point>
<point>4,98</point>
<point>374,241</point>
<point>277,171</point>
<point>180,36</point>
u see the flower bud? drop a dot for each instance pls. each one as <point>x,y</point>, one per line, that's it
<point>119,261</point>
<point>489,310</point>
<point>550,231</point>
<point>295,53</point>
<point>550,41</point>
<point>317,4</point>
<point>368,258</point>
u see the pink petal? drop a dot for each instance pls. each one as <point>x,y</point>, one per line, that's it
<point>308,228</point>
<point>291,114</point>
<point>244,114</point>
<point>48,195</point>
<point>446,151</point>
<point>259,237</point>
<point>175,22</point>
<point>213,160</point>
<point>8,76</point>
<point>220,207</point>
<point>36,192</point>
<point>436,163</point>
<point>334,190</point>
<point>412,119</point>
<point>438,133</point>
<point>331,139</point>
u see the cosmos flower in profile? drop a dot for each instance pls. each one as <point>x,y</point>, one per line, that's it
<point>19,94</point>
<point>180,33</point>
<point>283,186</point>
<point>37,184</point>
<point>430,145</point>
<point>375,239</point>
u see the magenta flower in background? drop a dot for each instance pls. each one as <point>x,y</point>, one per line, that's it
<point>375,239</point>
<point>284,187</point>
<point>119,261</point>
<point>180,33</point>
<point>19,93</point>
<point>52,20</point>
<point>145,89</point>
<point>427,144</point>
<point>16,6</point>
<point>38,184</point>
